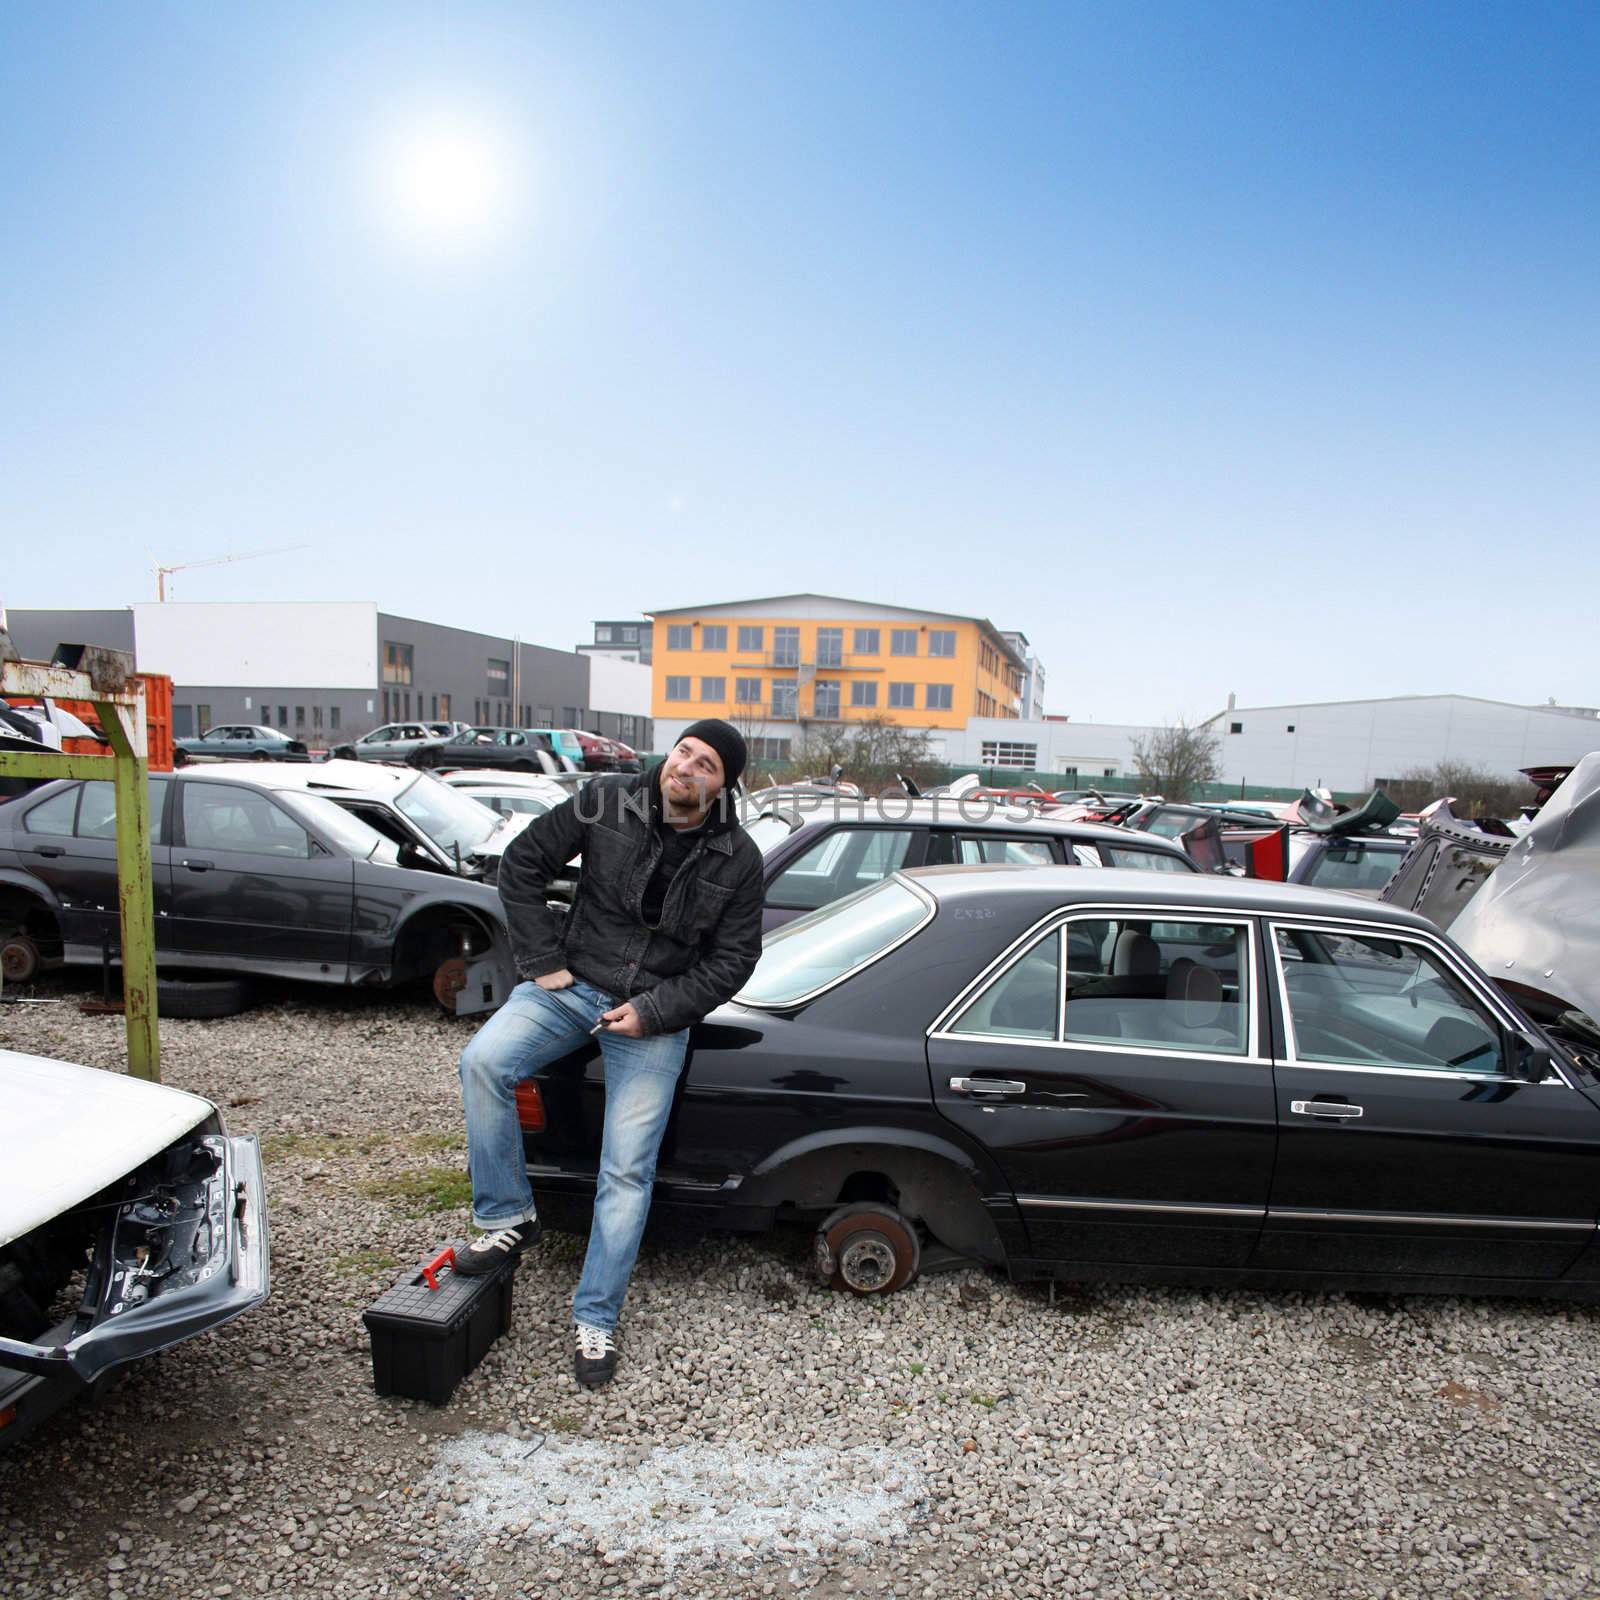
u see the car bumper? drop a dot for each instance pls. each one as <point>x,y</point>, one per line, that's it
<point>221,1236</point>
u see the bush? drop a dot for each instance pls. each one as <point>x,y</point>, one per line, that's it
<point>1473,791</point>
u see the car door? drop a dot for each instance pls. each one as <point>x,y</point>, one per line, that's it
<point>377,745</point>
<point>845,858</point>
<point>251,888</point>
<point>94,856</point>
<point>68,841</point>
<point>1113,1063</point>
<point>1407,1145</point>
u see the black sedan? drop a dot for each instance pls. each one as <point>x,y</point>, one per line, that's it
<point>247,878</point>
<point>239,741</point>
<point>507,749</point>
<point>1141,1077</point>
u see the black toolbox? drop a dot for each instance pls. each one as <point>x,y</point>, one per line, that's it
<point>434,1326</point>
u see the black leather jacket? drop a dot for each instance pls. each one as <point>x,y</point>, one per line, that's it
<point>709,938</point>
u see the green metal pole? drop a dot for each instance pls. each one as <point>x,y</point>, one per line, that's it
<point>135,895</point>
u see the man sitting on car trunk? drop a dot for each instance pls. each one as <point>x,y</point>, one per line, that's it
<point>668,915</point>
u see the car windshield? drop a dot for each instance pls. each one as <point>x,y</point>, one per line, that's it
<point>835,942</point>
<point>450,819</point>
<point>345,830</point>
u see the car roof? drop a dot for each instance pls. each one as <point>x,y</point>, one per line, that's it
<point>895,810</point>
<point>1094,885</point>
<point>492,778</point>
<point>347,777</point>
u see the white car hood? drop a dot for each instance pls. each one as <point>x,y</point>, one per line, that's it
<point>70,1130</point>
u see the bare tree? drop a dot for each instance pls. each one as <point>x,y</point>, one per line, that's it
<point>1475,791</point>
<point>872,752</point>
<point>1176,760</point>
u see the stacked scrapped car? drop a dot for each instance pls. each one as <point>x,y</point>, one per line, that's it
<point>239,741</point>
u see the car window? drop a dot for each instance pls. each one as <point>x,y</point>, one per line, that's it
<point>55,814</point>
<point>350,833</point>
<point>1085,855</point>
<point>1364,1000</point>
<point>516,803</point>
<point>946,848</point>
<point>842,861</point>
<point>1159,985</point>
<point>97,816</point>
<point>835,943</point>
<point>377,736</point>
<point>1353,866</point>
<point>226,816</point>
<point>1024,1002</point>
<point>1143,860</point>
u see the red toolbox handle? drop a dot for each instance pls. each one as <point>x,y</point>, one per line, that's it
<point>445,1258</point>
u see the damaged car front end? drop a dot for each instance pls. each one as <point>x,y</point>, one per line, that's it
<point>129,1221</point>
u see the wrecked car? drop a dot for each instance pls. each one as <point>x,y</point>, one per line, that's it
<point>1534,922</point>
<point>816,850</point>
<point>434,827</point>
<point>129,1221</point>
<point>395,741</point>
<point>1448,861</point>
<point>249,878</point>
<point>239,742</point>
<point>1144,1077</point>
<point>508,749</point>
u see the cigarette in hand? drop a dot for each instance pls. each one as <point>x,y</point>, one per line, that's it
<point>597,1027</point>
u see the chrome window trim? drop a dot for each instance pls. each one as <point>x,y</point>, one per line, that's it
<point>940,1027</point>
<point>1427,1219</point>
<point>1046,1202</point>
<point>930,908</point>
<point>1493,1003</point>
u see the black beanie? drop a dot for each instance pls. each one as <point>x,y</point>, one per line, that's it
<point>727,741</point>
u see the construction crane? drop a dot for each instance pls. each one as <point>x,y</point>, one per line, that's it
<point>163,573</point>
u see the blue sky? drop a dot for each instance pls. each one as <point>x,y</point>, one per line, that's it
<point>1218,347</point>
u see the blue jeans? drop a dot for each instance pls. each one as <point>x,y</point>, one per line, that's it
<point>534,1028</point>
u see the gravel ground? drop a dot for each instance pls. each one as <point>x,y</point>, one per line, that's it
<point>966,1437</point>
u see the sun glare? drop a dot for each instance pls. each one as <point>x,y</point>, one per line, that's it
<point>446,181</point>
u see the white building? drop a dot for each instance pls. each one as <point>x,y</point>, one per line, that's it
<point>1356,745</point>
<point>1079,753</point>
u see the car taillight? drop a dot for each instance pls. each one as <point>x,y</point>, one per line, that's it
<point>530,1106</point>
<point>8,1416</point>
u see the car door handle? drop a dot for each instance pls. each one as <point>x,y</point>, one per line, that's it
<point>988,1086</point>
<point>49,850</point>
<point>199,866</point>
<point>1328,1110</point>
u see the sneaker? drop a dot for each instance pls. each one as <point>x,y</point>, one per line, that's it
<point>490,1250</point>
<point>595,1360</point>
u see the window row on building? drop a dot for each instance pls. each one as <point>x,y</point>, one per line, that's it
<point>828,644</point>
<point>826,695</point>
<point>1019,757</point>
<point>399,667</point>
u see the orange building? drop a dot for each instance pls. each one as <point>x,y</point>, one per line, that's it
<point>773,667</point>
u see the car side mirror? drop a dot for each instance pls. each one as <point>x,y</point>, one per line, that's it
<point>1530,1060</point>
<point>413,855</point>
